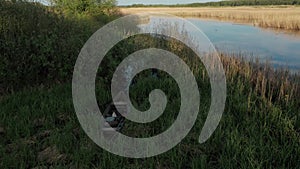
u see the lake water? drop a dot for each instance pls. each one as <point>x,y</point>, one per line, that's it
<point>280,48</point>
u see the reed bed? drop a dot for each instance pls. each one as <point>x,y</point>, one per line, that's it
<point>273,85</point>
<point>286,17</point>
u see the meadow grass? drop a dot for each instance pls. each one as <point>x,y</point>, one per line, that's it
<point>41,129</point>
<point>259,128</point>
<point>286,17</point>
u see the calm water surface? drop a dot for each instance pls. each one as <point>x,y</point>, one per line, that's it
<point>280,48</point>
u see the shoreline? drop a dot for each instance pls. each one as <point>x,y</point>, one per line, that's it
<point>287,18</point>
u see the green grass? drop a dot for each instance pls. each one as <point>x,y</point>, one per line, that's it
<point>260,127</point>
<point>41,129</point>
<point>39,44</point>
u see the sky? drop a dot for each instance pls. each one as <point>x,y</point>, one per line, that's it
<point>130,2</point>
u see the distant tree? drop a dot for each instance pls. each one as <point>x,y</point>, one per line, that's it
<point>81,6</point>
<point>232,3</point>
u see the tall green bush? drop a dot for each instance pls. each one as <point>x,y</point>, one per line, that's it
<point>40,44</point>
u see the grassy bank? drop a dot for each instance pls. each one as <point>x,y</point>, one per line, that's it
<point>39,127</point>
<point>39,44</point>
<point>287,17</point>
<point>260,127</point>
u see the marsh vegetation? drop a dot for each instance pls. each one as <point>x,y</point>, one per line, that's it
<point>260,127</point>
<point>287,17</point>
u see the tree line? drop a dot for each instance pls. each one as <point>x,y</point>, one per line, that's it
<point>229,3</point>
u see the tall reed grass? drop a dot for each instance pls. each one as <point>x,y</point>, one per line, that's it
<point>270,17</point>
<point>273,85</point>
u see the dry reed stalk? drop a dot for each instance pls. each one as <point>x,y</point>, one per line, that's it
<point>272,17</point>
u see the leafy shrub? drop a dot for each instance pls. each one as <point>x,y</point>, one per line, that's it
<point>40,44</point>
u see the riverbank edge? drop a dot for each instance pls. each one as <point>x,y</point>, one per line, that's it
<point>274,17</point>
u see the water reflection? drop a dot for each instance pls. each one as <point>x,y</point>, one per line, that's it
<point>281,48</point>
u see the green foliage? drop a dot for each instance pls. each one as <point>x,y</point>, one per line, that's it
<point>259,129</point>
<point>86,7</point>
<point>252,134</point>
<point>40,44</point>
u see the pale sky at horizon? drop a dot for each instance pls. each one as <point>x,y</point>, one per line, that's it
<point>167,2</point>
